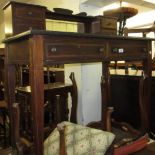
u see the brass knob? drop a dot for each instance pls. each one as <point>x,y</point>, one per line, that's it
<point>144,49</point>
<point>101,49</point>
<point>29,13</point>
<point>53,49</point>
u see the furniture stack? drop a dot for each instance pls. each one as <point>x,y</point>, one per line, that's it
<point>40,48</point>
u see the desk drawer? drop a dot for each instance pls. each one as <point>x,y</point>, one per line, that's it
<point>29,12</point>
<point>71,51</point>
<point>137,50</point>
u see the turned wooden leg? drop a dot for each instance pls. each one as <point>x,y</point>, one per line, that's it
<point>58,112</point>
<point>16,118</point>
<point>109,112</point>
<point>74,95</point>
<point>61,129</point>
<point>23,146</point>
<point>142,105</point>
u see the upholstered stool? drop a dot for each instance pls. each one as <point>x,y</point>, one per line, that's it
<point>79,140</point>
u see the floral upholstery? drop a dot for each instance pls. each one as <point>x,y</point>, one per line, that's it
<point>79,140</point>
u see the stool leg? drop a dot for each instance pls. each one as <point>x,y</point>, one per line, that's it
<point>61,129</point>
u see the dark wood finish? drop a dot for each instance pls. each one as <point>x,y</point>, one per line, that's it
<point>143,111</point>
<point>23,146</point>
<point>3,116</point>
<point>16,114</point>
<point>2,51</point>
<point>125,97</point>
<point>21,17</point>
<point>105,25</point>
<point>105,94</point>
<point>43,48</point>
<point>51,75</point>
<point>74,95</point>
<point>55,105</point>
<point>59,90</point>
<point>2,54</point>
<point>83,48</point>
<point>61,129</point>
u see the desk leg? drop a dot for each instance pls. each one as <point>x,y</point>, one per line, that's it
<point>105,94</point>
<point>74,95</point>
<point>37,91</point>
<point>10,96</point>
<point>145,124</point>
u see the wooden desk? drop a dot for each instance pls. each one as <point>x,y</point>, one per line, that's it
<point>38,48</point>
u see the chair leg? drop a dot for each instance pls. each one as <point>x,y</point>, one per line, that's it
<point>61,129</point>
<point>109,112</point>
<point>74,95</point>
<point>16,117</point>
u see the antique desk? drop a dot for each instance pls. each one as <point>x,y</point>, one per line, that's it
<point>38,48</point>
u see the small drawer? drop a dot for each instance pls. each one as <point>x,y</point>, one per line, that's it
<point>138,50</point>
<point>29,12</point>
<point>109,23</point>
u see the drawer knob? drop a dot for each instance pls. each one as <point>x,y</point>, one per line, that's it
<point>53,49</point>
<point>101,49</point>
<point>29,13</point>
<point>144,49</point>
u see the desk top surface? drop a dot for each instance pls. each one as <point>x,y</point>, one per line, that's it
<point>30,33</point>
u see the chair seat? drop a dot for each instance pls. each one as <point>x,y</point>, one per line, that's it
<point>79,140</point>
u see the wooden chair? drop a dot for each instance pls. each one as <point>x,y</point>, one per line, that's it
<point>25,146</point>
<point>124,128</point>
<point>143,112</point>
<point>136,139</point>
